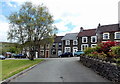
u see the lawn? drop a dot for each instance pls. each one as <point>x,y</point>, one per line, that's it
<point>11,67</point>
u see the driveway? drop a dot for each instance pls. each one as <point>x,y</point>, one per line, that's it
<point>60,70</point>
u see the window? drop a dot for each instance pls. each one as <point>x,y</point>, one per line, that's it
<point>106,35</point>
<point>93,39</point>
<point>84,46</point>
<point>60,44</point>
<point>84,40</point>
<point>67,49</point>
<point>117,35</point>
<point>47,45</point>
<point>67,42</point>
<point>93,45</point>
<point>75,42</point>
<point>53,52</point>
<point>41,52</point>
<point>53,44</point>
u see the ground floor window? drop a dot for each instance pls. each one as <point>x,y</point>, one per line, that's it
<point>53,52</point>
<point>93,45</point>
<point>41,52</point>
<point>84,46</point>
<point>67,49</point>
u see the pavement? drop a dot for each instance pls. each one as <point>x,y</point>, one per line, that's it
<point>60,70</point>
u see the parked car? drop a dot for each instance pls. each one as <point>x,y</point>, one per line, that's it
<point>66,54</point>
<point>19,56</point>
<point>2,57</point>
<point>78,53</point>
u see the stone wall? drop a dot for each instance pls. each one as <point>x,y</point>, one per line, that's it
<point>105,69</point>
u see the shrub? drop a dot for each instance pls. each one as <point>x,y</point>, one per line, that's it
<point>106,46</point>
<point>116,50</point>
<point>89,50</point>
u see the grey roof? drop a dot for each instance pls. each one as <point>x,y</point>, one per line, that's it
<point>108,28</point>
<point>70,36</point>
<point>57,39</point>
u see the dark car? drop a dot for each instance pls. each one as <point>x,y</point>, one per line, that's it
<point>2,57</point>
<point>19,56</point>
<point>66,54</point>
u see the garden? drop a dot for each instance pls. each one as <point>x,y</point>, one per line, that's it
<point>104,59</point>
<point>106,51</point>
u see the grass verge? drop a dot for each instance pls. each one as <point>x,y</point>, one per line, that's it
<point>12,67</point>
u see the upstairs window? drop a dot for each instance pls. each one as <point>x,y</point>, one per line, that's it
<point>60,44</point>
<point>106,36</point>
<point>93,39</point>
<point>53,44</point>
<point>75,42</point>
<point>84,39</point>
<point>117,35</point>
<point>67,42</point>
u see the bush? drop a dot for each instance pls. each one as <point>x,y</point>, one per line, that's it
<point>116,50</point>
<point>106,46</point>
<point>89,50</point>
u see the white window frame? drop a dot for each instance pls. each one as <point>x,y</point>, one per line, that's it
<point>116,35</point>
<point>117,40</point>
<point>66,43</point>
<point>92,39</point>
<point>107,34</point>
<point>84,45</point>
<point>84,38</point>
<point>67,48</point>
<point>92,45</point>
<point>74,42</point>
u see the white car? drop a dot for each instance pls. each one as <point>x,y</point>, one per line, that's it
<point>2,57</point>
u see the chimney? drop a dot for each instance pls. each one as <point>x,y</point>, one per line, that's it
<point>81,29</point>
<point>99,25</point>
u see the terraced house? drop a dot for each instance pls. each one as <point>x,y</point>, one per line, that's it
<point>69,42</point>
<point>56,48</point>
<point>86,38</point>
<point>108,32</point>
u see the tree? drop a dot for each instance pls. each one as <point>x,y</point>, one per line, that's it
<point>30,25</point>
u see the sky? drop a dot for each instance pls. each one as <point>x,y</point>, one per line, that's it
<point>69,15</point>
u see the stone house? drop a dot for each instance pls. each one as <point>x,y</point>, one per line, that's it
<point>56,47</point>
<point>86,38</point>
<point>108,32</point>
<point>69,42</point>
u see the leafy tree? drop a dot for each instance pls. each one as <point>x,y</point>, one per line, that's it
<point>30,25</point>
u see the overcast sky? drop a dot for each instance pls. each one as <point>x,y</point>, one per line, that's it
<point>69,15</point>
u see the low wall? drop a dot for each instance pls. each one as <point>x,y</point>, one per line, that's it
<point>105,69</point>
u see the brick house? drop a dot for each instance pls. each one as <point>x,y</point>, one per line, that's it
<point>86,38</point>
<point>69,42</point>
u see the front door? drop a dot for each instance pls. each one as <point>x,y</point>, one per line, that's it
<point>47,54</point>
<point>75,49</point>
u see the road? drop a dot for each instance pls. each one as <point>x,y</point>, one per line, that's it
<point>60,70</point>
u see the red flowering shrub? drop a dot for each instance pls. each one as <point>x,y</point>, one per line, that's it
<point>106,46</point>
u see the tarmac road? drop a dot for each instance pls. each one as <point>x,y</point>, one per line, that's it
<point>60,70</point>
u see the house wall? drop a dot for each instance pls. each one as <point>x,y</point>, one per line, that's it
<point>71,46</point>
<point>112,37</point>
<point>56,48</point>
<point>89,42</point>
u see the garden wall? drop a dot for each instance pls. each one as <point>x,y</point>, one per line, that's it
<point>105,69</point>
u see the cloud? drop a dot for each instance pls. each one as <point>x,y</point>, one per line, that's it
<point>81,13</point>
<point>4,27</point>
